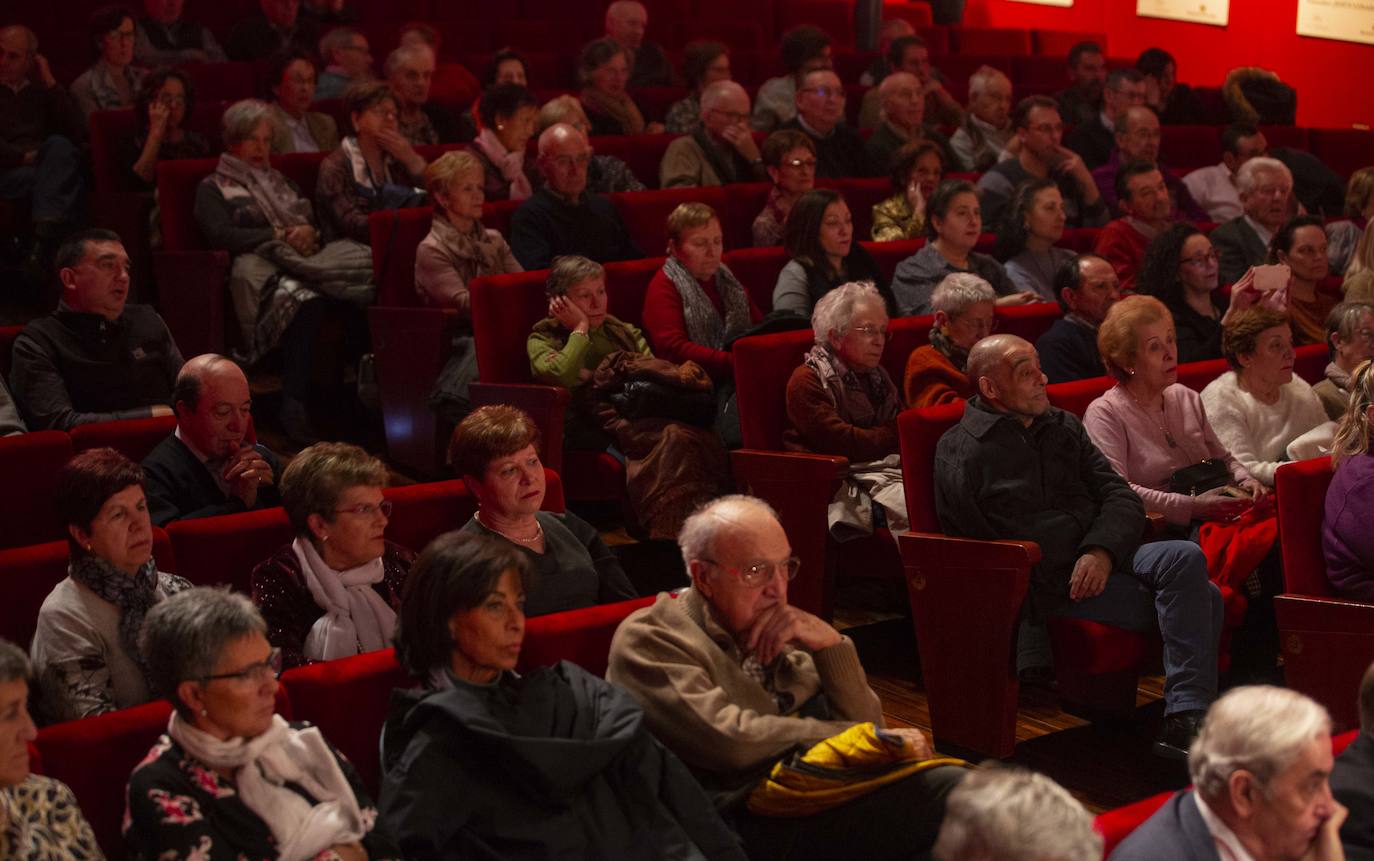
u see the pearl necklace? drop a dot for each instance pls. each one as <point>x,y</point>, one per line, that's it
<point>538,533</point>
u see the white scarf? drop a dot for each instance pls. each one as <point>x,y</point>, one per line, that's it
<point>356,619</point>
<point>511,164</point>
<point>264,764</point>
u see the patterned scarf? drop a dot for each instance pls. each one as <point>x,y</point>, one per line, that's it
<point>704,325</point>
<point>957,355</point>
<point>620,108</point>
<point>1340,378</point>
<point>511,164</point>
<point>476,245</point>
<point>134,595</point>
<point>271,191</point>
<point>867,400</point>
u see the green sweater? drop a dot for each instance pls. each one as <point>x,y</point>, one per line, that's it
<point>558,357</point>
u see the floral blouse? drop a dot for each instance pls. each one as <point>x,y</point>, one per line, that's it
<point>181,810</point>
<point>42,822</point>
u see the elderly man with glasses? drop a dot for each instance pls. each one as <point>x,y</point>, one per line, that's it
<point>820,114</point>
<point>720,149</point>
<point>1094,140</point>
<point>732,679</point>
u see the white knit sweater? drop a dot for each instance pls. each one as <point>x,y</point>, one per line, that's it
<point>1258,434</point>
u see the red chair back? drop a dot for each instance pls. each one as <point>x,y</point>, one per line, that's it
<point>504,308</point>
<point>396,236</point>
<point>1056,43</point>
<point>221,81</point>
<point>581,636</point>
<point>1116,825</point>
<point>1301,495</point>
<point>107,129</point>
<point>133,438</point>
<point>993,40</point>
<point>31,461</point>
<point>1343,150</point>
<point>645,213</point>
<point>919,431</point>
<point>1075,396</point>
<point>757,270</point>
<point>225,549</point>
<point>176,197</point>
<point>743,202</point>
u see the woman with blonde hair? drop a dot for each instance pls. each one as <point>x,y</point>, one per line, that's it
<point>458,249</point>
<point>1347,540</point>
<point>1343,236</point>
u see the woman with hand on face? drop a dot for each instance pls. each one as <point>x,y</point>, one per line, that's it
<point>1301,246</point>
<point>916,171</point>
<point>495,450</point>
<point>1033,224</point>
<point>954,221</point>
<point>935,373</point>
<point>603,70</point>
<point>232,779</point>
<point>508,113</point>
<point>335,589</point>
<point>1180,270</point>
<point>85,648</point>
<point>789,156</point>
<point>113,81</point>
<point>165,99</point>
<point>819,238</point>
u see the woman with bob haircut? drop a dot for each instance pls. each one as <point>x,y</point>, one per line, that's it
<point>481,762</point>
<point>603,72</point>
<point>936,372</point>
<point>508,113</point>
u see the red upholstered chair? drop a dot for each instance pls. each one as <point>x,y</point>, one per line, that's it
<point>1296,137</point>
<point>1188,147</point>
<point>888,254</point>
<point>850,64</point>
<point>835,17</point>
<point>654,103</point>
<point>497,214</point>
<point>224,549</point>
<point>1075,396</point>
<point>1028,321</point>
<point>30,461</point>
<point>395,236</point>
<point>645,213</point>
<point>743,202</point>
<point>1343,150</point>
<point>861,195</point>
<point>1116,825</point>
<point>1056,43</point>
<point>133,438</point>
<point>410,346</point>
<point>221,81</point>
<point>107,128</point>
<point>992,40</point>
<point>1040,73</point>
<point>757,269</point>
<point>580,636</point>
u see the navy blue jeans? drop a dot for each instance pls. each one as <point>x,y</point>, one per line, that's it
<point>54,180</point>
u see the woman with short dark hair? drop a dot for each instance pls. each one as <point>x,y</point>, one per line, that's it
<point>819,237</point>
<point>85,648</point>
<point>789,156</point>
<point>1301,245</point>
<point>508,113</point>
<point>165,99</point>
<point>915,171</point>
<point>113,81</point>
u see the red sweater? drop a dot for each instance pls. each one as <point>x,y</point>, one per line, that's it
<point>666,326</point>
<point>1121,245</point>
<point>932,379</point>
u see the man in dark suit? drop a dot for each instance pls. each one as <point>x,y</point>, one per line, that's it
<point>1260,771</point>
<point>206,467</point>
<point>1265,186</point>
<point>1094,140</point>
<point>1352,780</point>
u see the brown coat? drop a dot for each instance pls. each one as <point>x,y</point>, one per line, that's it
<point>932,379</point>
<point>815,425</point>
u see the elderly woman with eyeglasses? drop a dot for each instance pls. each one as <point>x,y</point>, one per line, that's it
<point>842,401</point>
<point>1350,342</point>
<point>789,156</point>
<point>334,590</point>
<point>232,779</point>
<point>963,305</point>
<point>113,81</point>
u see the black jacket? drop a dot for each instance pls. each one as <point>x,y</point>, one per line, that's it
<point>547,226</point>
<point>1352,782</point>
<point>553,764</point>
<point>1093,141</point>
<point>1068,352</point>
<point>180,487</point>
<point>840,154</point>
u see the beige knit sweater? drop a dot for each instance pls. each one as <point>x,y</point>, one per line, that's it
<point>684,669</point>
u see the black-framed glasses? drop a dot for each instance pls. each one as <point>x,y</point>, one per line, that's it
<point>367,509</point>
<point>256,673</point>
<point>757,574</point>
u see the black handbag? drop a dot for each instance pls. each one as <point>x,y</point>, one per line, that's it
<point>1201,477</point>
<point>648,399</point>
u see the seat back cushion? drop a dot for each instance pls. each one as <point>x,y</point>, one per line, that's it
<point>919,431</point>
<point>1301,496</point>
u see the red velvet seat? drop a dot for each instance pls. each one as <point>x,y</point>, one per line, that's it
<point>1186,148</point>
<point>223,550</point>
<point>743,202</point>
<point>1343,150</point>
<point>645,213</point>
<point>410,346</point>
<point>757,270</point>
<point>835,17</point>
<point>423,512</point>
<point>228,82</point>
<point>1044,72</point>
<point>1056,43</point>
<point>396,236</point>
<point>30,462</point>
<point>133,438</point>
<point>860,194</point>
<point>580,636</point>
<point>992,40</point>
<point>654,103</point>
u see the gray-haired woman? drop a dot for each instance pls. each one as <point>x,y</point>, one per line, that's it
<point>281,260</point>
<point>963,306</point>
<point>41,819</point>
<point>1350,341</point>
<point>231,779</point>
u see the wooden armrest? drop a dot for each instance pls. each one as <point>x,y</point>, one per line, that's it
<point>929,548</point>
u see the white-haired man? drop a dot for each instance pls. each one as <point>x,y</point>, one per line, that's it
<point>626,22</point>
<point>987,128</point>
<point>410,72</point>
<point>1009,814</point>
<point>1265,186</point>
<point>1260,772</point>
<point>347,60</point>
<point>720,149</point>
<point>732,678</point>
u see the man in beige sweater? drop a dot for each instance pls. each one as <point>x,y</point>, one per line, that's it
<point>732,679</point>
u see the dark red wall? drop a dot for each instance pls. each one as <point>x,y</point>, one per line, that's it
<point>1332,78</point>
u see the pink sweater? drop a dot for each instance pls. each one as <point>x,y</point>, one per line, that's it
<point>1134,443</point>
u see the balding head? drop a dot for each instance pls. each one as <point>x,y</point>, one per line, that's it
<point>1138,135</point>
<point>18,45</point>
<point>626,22</point>
<point>903,103</point>
<point>725,106</point>
<point>564,153</point>
<point>736,550</point>
<point>989,96</point>
<point>213,405</point>
<point>1005,370</point>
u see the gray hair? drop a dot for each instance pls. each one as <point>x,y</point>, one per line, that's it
<point>1010,814</point>
<point>568,271</point>
<point>183,637</point>
<point>960,291</point>
<point>335,40</point>
<point>982,78</point>
<point>1247,179</point>
<point>1261,729</point>
<point>14,664</point>
<point>242,118</point>
<point>697,537</point>
<point>835,311</point>
<point>1344,320</point>
<point>404,56</point>
<point>718,91</point>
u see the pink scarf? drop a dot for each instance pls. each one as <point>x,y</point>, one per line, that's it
<point>512,164</point>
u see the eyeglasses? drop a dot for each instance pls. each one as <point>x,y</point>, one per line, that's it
<point>732,116</point>
<point>872,332</point>
<point>1202,260</point>
<point>567,162</point>
<point>758,574</point>
<point>367,509</point>
<point>800,163</point>
<point>256,673</point>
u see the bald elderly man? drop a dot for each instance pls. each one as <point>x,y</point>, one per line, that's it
<point>207,466</point>
<point>902,122</point>
<point>1016,468</point>
<point>732,679</point>
<point>720,149</point>
<point>626,22</point>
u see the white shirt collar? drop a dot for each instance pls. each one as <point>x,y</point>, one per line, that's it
<point>1106,121</point>
<point>1229,846</point>
<point>1265,233</point>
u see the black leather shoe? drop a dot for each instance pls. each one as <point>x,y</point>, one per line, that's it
<point>1176,734</point>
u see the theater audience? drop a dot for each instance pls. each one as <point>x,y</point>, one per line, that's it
<point>507,66</point>
<point>917,169</point>
<point>1350,343</point>
<point>753,679</point>
<point>95,358</point>
<point>1343,235</point>
<point>1214,188</point>
<point>720,148</point>
<point>1300,244</point>
<point>1180,270</point>
<point>563,216</point>
<point>1003,813</point>
<point>1137,139</point>
<point>458,249</point>
<point>694,306</point>
<point>1175,103</point>
<point>1094,138</point>
<point>10,422</point>
<point>1260,409</point>
<point>1352,778</point>
<point>790,159</point>
<point>704,63</point>
<point>1259,769</point>
<point>410,70</point>
<point>373,169</point>
<point>347,60</point>
<point>208,466</point>
<point>841,401</point>
<point>296,128</point>
<point>963,306</point>
<point>1017,468</point>
<point>626,22</point>
<point>495,450</point>
<point>805,49</point>
<point>819,239</point>
<point>508,113</point>
<point>1042,156</point>
<point>42,816</point>
<point>1143,198</point>
<point>569,767</point>
<point>285,281</point>
<point>953,224</point>
<point>902,122</point>
<point>334,590</point>
<point>1350,496</point>
<point>1026,241</point>
<point>85,650</point>
<point>1082,101</point>
<point>1086,287</point>
<point>165,99</point>
<point>910,54</point>
<point>238,779</point>
<point>820,116</point>
<point>1265,186</point>
<point>606,174</point>
<point>113,81</point>
<point>277,27</point>
<point>987,127</point>
<point>603,72</point>
<point>165,38</point>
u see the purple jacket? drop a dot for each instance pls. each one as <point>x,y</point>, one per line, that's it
<point>1347,540</point>
<point>1185,208</point>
